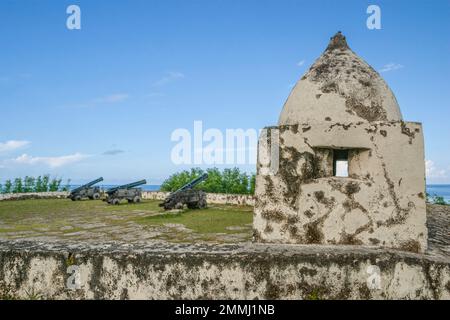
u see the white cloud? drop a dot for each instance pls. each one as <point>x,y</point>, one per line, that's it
<point>52,162</point>
<point>12,145</point>
<point>391,67</point>
<point>433,172</point>
<point>300,63</point>
<point>169,77</point>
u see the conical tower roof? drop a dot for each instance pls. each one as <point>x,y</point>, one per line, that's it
<point>340,87</point>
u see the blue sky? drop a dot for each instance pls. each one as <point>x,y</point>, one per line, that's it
<point>104,100</point>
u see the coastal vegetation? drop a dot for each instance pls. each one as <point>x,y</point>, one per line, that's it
<point>437,200</point>
<point>226,181</point>
<point>34,184</point>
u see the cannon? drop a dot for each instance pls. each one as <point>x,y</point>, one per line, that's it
<point>86,191</point>
<point>126,191</point>
<point>186,195</point>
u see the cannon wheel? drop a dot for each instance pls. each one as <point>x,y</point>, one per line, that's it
<point>193,205</point>
<point>136,199</point>
<point>202,204</point>
<point>96,196</point>
<point>77,198</point>
<point>179,206</point>
<point>115,201</point>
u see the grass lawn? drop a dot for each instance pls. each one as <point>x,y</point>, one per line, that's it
<point>218,219</point>
<point>55,219</point>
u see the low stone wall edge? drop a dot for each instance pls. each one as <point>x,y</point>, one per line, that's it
<point>216,198</point>
<point>241,271</point>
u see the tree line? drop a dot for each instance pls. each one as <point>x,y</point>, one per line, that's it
<point>32,184</point>
<point>225,181</point>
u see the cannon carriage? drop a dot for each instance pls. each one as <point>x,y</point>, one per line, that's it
<point>86,191</point>
<point>187,195</point>
<point>126,191</point>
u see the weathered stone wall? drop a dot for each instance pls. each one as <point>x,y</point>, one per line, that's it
<point>154,195</point>
<point>33,195</point>
<point>217,198</point>
<point>244,271</point>
<point>381,203</point>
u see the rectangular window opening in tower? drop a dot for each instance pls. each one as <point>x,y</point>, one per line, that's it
<point>340,163</point>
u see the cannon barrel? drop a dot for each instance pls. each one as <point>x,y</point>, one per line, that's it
<point>127,186</point>
<point>193,183</point>
<point>87,185</point>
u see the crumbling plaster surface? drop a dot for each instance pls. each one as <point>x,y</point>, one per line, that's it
<point>381,203</point>
<point>242,271</point>
<point>340,86</point>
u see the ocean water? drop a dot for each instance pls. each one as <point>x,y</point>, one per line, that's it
<point>442,190</point>
<point>151,187</point>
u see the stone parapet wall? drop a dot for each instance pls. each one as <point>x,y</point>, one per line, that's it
<point>33,195</point>
<point>154,195</point>
<point>242,271</point>
<point>216,198</point>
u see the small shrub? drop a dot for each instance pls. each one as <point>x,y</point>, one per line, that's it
<point>54,185</point>
<point>17,186</point>
<point>38,185</point>
<point>439,200</point>
<point>8,187</point>
<point>28,184</point>
<point>45,181</point>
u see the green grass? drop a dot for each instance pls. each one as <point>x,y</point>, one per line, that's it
<point>12,209</point>
<point>210,220</point>
<point>63,217</point>
<point>53,214</point>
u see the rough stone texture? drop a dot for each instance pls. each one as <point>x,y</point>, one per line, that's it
<point>382,202</point>
<point>438,223</point>
<point>159,270</point>
<point>217,198</point>
<point>33,195</point>
<point>342,104</point>
<point>342,87</point>
<point>244,271</point>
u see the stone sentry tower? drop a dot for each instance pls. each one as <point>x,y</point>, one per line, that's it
<point>348,169</point>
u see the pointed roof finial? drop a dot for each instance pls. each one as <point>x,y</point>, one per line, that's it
<point>338,42</point>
